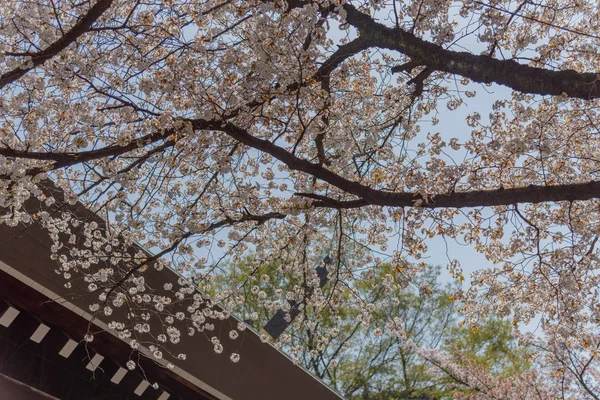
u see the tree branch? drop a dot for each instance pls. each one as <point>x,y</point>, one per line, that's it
<point>369,196</point>
<point>478,68</point>
<point>66,159</point>
<point>366,195</point>
<point>80,28</point>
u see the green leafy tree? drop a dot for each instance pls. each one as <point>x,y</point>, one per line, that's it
<point>492,345</point>
<point>357,356</point>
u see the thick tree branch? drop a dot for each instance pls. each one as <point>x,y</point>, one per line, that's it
<point>366,195</point>
<point>370,196</point>
<point>66,159</point>
<point>478,68</point>
<point>341,54</point>
<point>80,28</point>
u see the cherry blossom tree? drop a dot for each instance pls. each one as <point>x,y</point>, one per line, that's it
<point>202,130</point>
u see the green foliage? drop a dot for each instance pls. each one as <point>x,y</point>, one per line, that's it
<point>352,355</point>
<point>491,345</point>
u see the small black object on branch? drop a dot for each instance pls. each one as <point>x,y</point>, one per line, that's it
<point>278,324</point>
